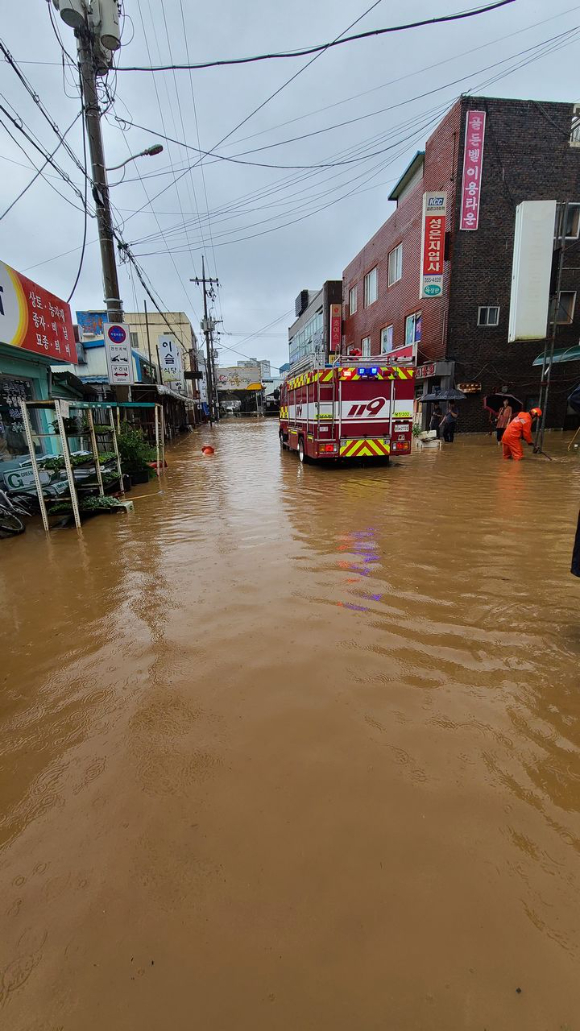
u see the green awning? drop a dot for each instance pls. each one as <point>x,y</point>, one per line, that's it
<point>565,354</point>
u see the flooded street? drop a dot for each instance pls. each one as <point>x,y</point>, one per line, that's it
<point>296,749</point>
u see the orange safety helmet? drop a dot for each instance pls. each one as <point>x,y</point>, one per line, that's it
<point>536,412</point>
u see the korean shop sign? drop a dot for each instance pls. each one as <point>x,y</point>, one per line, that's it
<point>472,169</point>
<point>170,361</point>
<point>118,351</point>
<point>34,319</point>
<point>433,244</point>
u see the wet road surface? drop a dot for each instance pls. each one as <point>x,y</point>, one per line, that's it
<point>296,749</point>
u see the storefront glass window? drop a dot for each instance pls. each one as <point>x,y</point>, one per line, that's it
<point>13,447</point>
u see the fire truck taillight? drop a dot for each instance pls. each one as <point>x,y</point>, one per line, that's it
<point>396,446</point>
<point>327,449</point>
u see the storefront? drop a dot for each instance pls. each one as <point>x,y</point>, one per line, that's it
<point>429,377</point>
<point>35,332</point>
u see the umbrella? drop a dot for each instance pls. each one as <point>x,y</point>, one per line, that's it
<point>443,395</point>
<point>493,403</point>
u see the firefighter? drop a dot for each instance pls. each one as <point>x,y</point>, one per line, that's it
<point>519,427</point>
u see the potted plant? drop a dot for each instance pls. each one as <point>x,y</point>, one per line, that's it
<point>136,453</point>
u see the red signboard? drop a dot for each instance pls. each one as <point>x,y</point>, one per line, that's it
<point>335,326</point>
<point>472,168</point>
<point>34,319</point>
<point>433,244</point>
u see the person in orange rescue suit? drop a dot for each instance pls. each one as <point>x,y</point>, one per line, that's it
<point>519,427</point>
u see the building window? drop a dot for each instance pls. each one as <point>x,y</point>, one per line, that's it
<point>371,287</point>
<point>572,221</point>
<point>352,300</point>
<point>488,316</point>
<point>134,339</point>
<point>566,305</point>
<point>575,128</point>
<point>386,339</point>
<point>413,328</point>
<point>366,347</point>
<point>396,264</point>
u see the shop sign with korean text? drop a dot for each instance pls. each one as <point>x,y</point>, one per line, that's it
<point>335,326</point>
<point>119,355</point>
<point>170,361</point>
<point>433,243</point>
<point>472,169</point>
<point>34,319</point>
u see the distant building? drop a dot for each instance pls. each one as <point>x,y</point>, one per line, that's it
<point>310,333</point>
<point>517,151</point>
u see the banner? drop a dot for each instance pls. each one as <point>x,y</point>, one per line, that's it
<point>335,326</point>
<point>239,377</point>
<point>472,169</point>
<point>118,353</point>
<point>433,244</point>
<point>34,319</point>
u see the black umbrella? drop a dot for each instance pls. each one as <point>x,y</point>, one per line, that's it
<point>443,395</point>
<point>493,403</point>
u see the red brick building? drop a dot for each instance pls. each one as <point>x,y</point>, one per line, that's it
<point>530,151</point>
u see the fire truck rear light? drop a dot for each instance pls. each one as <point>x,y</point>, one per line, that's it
<point>374,372</point>
<point>328,449</point>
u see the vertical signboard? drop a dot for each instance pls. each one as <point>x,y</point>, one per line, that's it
<point>335,326</point>
<point>170,361</point>
<point>34,319</point>
<point>472,169</point>
<point>433,243</point>
<point>118,353</point>
<point>531,269</point>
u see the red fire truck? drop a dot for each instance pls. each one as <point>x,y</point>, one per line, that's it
<point>353,408</point>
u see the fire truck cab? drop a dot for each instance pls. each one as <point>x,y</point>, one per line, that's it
<point>353,408</point>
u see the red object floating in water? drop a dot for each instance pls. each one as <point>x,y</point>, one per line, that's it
<point>207,450</point>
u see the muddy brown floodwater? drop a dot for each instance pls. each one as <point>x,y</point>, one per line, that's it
<point>296,749</point>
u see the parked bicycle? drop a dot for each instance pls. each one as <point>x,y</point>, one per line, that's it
<point>11,511</point>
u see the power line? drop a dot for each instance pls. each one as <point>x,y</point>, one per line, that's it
<point>39,170</point>
<point>325,46</point>
<point>84,243</point>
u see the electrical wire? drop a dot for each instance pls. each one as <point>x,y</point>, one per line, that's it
<point>39,171</point>
<point>84,243</point>
<point>459,16</point>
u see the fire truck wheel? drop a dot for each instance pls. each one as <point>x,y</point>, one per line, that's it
<point>282,441</point>
<point>301,454</point>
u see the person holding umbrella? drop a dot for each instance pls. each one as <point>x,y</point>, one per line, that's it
<point>449,421</point>
<point>436,416</point>
<point>504,417</point>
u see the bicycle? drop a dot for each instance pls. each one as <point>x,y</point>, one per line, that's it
<point>11,524</point>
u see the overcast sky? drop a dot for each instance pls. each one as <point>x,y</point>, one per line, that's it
<point>261,262</point>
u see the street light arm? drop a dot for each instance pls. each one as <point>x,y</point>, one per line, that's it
<point>149,152</point>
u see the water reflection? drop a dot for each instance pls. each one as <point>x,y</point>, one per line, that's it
<point>302,741</point>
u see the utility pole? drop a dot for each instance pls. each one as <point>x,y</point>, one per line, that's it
<point>208,327</point>
<point>99,176</point>
<point>98,34</point>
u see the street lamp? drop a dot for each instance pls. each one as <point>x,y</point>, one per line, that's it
<point>150,152</point>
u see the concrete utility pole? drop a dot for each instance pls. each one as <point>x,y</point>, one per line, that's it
<point>99,175</point>
<point>208,327</point>
<point>98,34</point>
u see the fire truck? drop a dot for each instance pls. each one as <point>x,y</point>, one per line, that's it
<point>350,409</point>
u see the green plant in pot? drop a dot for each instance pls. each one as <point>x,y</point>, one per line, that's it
<point>135,453</point>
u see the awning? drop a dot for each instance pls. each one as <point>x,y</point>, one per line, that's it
<point>564,354</point>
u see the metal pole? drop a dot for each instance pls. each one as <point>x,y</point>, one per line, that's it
<point>95,452</point>
<point>157,453</point>
<point>92,116</point>
<point>68,466</point>
<point>36,474</point>
<point>116,448</point>
<point>549,358</point>
<point>162,413</point>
